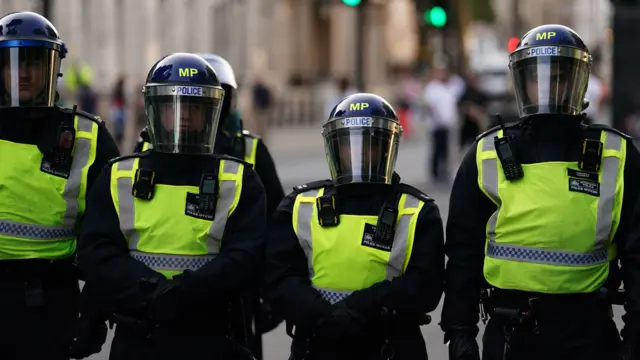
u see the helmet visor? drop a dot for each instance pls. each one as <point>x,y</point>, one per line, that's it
<point>550,85</point>
<point>29,76</point>
<point>362,154</point>
<point>183,119</point>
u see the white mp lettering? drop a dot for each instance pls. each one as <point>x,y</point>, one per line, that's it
<point>189,90</point>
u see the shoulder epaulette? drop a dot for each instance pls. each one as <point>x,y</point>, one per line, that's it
<point>90,116</point>
<point>249,134</point>
<point>129,156</point>
<point>408,189</point>
<point>610,129</point>
<point>312,185</point>
<point>231,158</point>
<point>496,128</point>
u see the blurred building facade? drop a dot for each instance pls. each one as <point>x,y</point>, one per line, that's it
<point>290,43</point>
<point>297,46</point>
<point>299,41</point>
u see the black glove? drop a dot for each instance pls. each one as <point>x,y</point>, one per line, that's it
<point>630,343</point>
<point>89,336</point>
<point>342,322</point>
<point>266,320</point>
<point>165,298</point>
<point>462,346</point>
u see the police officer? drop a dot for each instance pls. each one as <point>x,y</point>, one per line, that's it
<point>355,263</point>
<point>232,140</point>
<point>539,210</point>
<point>49,158</point>
<point>173,234</point>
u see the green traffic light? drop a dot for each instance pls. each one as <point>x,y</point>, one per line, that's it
<point>436,16</point>
<point>351,2</point>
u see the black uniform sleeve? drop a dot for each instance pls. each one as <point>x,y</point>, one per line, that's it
<point>242,252</point>
<point>106,151</point>
<point>286,283</point>
<point>627,236</point>
<point>103,254</point>
<point>266,169</point>
<point>469,211</point>
<point>419,290</point>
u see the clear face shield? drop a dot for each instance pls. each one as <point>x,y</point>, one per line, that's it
<point>361,150</point>
<point>183,119</point>
<point>29,76</point>
<point>550,84</point>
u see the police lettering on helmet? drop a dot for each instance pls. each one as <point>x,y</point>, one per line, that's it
<point>183,98</point>
<point>361,140</point>
<point>30,56</point>
<point>550,70</point>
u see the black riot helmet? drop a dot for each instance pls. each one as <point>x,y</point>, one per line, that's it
<point>228,81</point>
<point>550,68</point>
<point>183,98</point>
<point>30,55</point>
<point>361,140</point>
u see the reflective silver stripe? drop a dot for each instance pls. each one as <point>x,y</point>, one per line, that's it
<point>610,168</point>
<point>171,262</point>
<point>400,246</point>
<point>248,147</point>
<point>35,232</point>
<point>397,256</point>
<point>604,221</point>
<point>305,212</point>
<point>225,202</point>
<point>126,209</point>
<point>70,194</point>
<point>81,154</point>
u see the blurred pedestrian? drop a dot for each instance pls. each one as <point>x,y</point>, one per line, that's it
<point>441,99</point>
<point>343,88</point>
<point>118,110</point>
<point>472,107</point>
<point>263,103</point>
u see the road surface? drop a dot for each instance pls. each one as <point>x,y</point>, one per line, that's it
<point>300,158</point>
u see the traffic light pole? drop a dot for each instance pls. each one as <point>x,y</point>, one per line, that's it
<point>361,13</point>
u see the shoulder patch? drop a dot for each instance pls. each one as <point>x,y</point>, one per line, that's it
<point>312,185</point>
<point>408,189</point>
<point>609,129</point>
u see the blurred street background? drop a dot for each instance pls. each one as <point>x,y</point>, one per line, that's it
<point>295,59</point>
